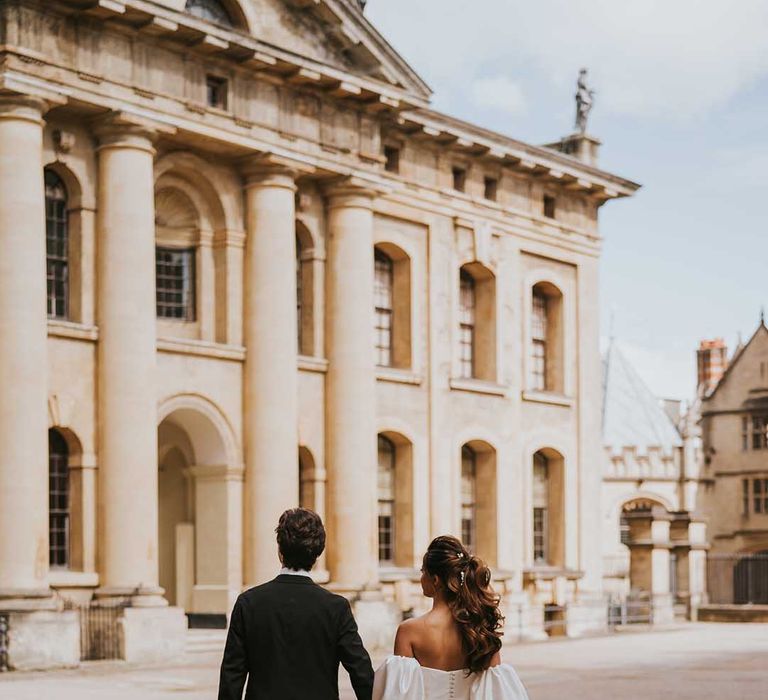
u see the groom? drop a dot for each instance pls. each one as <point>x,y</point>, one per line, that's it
<point>289,635</point>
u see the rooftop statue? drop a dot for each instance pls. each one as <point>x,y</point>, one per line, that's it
<point>584,101</point>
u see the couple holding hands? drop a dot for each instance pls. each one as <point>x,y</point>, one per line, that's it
<point>288,637</point>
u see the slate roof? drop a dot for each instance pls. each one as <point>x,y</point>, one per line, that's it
<point>632,415</point>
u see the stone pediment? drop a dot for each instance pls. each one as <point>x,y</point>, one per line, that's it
<point>334,33</point>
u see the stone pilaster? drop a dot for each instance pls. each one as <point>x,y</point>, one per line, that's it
<point>270,377</point>
<point>350,388</point>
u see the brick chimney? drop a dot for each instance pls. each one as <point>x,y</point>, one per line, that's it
<point>712,361</point>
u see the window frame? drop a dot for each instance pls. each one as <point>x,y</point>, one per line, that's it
<point>57,239</point>
<point>392,158</point>
<point>549,206</point>
<point>59,502</point>
<point>188,280</point>
<point>540,524</point>
<point>491,188</point>
<point>468,497</point>
<point>459,181</point>
<point>467,325</point>
<point>387,504</point>
<point>539,350</point>
<point>217,92</point>
<point>384,307</point>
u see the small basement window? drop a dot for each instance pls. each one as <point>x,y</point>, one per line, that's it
<point>392,159</point>
<point>216,91</point>
<point>491,188</point>
<point>549,206</point>
<point>459,179</point>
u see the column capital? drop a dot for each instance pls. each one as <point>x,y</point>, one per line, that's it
<point>272,170</point>
<point>352,192</point>
<point>125,130</point>
<point>23,107</point>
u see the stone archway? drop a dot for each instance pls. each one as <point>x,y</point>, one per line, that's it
<point>200,508</point>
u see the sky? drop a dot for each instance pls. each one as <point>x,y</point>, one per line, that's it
<point>681,107</point>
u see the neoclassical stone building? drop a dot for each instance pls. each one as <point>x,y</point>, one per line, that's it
<point>276,276</point>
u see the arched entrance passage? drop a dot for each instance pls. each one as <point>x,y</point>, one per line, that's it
<point>200,507</point>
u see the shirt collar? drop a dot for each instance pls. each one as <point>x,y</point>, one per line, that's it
<point>294,572</point>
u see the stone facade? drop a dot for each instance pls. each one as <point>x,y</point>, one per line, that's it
<point>218,192</point>
<point>734,416</point>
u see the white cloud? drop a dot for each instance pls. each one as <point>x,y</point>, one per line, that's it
<point>652,58</point>
<point>499,93</point>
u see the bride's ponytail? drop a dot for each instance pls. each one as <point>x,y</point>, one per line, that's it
<point>475,607</point>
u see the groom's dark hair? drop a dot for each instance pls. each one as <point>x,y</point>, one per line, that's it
<point>301,538</point>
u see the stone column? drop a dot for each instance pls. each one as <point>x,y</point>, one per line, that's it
<point>127,391</point>
<point>39,634</point>
<point>270,377</point>
<point>350,389</point>
<point>23,357</point>
<point>127,401</point>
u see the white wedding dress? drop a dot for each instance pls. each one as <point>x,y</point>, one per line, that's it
<point>401,678</point>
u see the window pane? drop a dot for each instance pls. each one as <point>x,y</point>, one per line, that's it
<point>538,356</point>
<point>57,245</point>
<point>468,496</point>
<point>175,276</point>
<point>58,500</point>
<point>383,297</point>
<point>386,499</point>
<point>466,325</point>
<point>540,507</point>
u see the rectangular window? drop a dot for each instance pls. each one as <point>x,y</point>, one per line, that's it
<point>216,91</point>
<point>760,432</point>
<point>745,433</point>
<point>549,206</point>
<point>540,535</point>
<point>760,495</point>
<point>491,188</point>
<point>58,510</point>
<point>539,324</point>
<point>386,500</point>
<point>745,496</point>
<point>466,326</point>
<point>459,179</point>
<point>392,159</point>
<point>468,494</point>
<point>175,275</point>
<point>384,309</point>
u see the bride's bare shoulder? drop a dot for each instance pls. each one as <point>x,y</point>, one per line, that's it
<point>407,634</point>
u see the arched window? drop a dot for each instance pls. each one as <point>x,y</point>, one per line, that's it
<point>466,325</point>
<point>383,295</point>
<point>57,245</point>
<point>386,498</point>
<point>540,509</point>
<point>210,10</point>
<point>468,496</point>
<point>546,354</point>
<point>58,500</point>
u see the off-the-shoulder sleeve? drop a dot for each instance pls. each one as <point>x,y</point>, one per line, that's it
<point>398,678</point>
<point>499,683</point>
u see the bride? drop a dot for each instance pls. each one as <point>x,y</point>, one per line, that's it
<point>452,652</point>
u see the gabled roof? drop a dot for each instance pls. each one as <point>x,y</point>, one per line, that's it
<point>632,415</point>
<point>738,355</point>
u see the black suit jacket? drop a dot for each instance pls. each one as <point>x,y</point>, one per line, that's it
<point>288,636</point>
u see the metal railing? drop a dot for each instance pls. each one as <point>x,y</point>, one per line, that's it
<point>100,630</point>
<point>738,579</point>
<point>557,620</point>
<point>3,642</point>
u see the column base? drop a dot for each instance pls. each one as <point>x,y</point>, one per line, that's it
<point>42,639</point>
<point>663,609</point>
<point>377,618</point>
<point>149,634</point>
<point>524,620</point>
<point>587,615</point>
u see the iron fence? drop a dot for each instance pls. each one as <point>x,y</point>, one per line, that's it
<point>557,620</point>
<point>100,630</point>
<point>738,579</point>
<point>3,642</point>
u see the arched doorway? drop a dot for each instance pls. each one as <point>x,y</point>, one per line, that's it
<point>200,510</point>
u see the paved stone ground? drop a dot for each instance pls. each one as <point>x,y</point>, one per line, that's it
<point>701,662</point>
